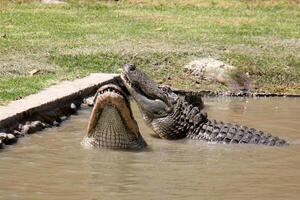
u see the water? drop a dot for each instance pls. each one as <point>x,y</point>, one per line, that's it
<point>53,164</point>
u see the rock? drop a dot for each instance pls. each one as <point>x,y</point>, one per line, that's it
<point>52,1</point>
<point>210,69</point>
<point>20,126</point>
<point>56,123</point>
<point>243,93</point>
<point>25,129</point>
<point>3,136</point>
<point>18,134</point>
<point>7,138</point>
<point>10,139</point>
<point>32,127</point>
<point>73,106</point>
<point>37,126</point>
<point>89,101</point>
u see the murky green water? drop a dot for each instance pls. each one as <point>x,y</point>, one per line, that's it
<point>53,164</point>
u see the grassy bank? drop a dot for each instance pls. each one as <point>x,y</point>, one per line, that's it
<point>74,39</point>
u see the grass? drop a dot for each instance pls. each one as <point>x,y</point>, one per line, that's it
<point>261,38</point>
<point>18,87</point>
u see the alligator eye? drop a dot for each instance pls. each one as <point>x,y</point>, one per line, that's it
<point>131,67</point>
<point>165,88</point>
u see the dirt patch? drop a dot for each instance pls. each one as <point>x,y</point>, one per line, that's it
<point>292,45</point>
<point>23,66</point>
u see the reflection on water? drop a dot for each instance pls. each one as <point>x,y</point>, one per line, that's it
<point>53,165</point>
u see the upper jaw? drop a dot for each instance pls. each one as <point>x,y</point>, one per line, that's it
<point>126,80</point>
<point>152,107</point>
<point>124,77</point>
<point>146,87</point>
<point>111,88</point>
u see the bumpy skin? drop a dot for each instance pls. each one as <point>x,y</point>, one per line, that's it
<point>171,117</point>
<point>193,124</point>
<point>111,123</point>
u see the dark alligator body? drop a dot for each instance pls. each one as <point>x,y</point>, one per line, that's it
<point>173,117</point>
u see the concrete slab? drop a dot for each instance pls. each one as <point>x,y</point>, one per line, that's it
<point>55,96</point>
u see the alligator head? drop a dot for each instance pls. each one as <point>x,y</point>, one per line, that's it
<point>111,123</point>
<point>157,103</point>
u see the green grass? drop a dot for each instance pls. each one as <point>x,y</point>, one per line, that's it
<point>72,40</point>
<point>18,87</point>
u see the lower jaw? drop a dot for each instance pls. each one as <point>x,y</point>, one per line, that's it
<point>100,143</point>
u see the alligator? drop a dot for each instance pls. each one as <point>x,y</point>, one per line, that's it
<point>111,123</point>
<point>172,117</point>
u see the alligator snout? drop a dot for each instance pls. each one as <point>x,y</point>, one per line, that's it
<point>129,67</point>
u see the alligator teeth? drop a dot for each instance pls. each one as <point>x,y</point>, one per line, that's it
<point>124,77</point>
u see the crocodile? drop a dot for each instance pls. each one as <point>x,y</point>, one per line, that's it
<point>172,117</point>
<point>111,124</point>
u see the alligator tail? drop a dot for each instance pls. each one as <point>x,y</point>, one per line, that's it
<point>220,132</point>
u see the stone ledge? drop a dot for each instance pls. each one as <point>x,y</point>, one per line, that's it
<point>54,97</point>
